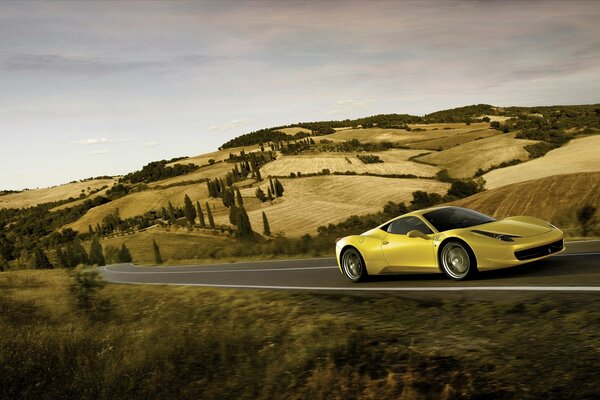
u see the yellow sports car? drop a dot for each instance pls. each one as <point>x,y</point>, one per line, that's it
<point>457,241</point>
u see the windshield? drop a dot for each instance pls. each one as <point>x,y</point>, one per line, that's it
<point>448,218</point>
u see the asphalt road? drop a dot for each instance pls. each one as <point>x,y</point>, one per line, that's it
<point>576,270</point>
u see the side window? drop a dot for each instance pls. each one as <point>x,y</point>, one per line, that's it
<point>402,226</point>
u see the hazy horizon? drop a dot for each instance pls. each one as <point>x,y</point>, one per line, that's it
<point>102,88</point>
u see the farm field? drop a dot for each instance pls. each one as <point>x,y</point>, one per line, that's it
<point>202,159</point>
<point>217,170</point>
<point>174,244</point>
<point>293,130</point>
<point>395,162</point>
<point>311,202</point>
<point>579,155</point>
<point>464,160</point>
<point>138,203</point>
<point>33,197</point>
<point>555,198</point>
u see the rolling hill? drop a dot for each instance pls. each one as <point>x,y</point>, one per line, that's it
<point>579,155</point>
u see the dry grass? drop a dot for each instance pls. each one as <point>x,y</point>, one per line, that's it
<point>174,245</point>
<point>448,139</point>
<point>311,202</point>
<point>464,160</point>
<point>218,170</point>
<point>161,342</point>
<point>556,198</point>
<point>293,130</point>
<point>141,202</point>
<point>30,198</point>
<point>202,159</point>
<point>579,155</point>
<point>395,162</point>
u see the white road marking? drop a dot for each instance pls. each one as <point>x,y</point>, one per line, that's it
<point>396,289</point>
<point>218,271</point>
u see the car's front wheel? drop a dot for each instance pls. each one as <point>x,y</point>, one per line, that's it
<point>457,261</point>
<point>353,265</point>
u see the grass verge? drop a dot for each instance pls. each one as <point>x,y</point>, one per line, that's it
<point>181,342</point>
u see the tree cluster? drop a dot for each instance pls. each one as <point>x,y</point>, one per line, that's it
<point>158,170</point>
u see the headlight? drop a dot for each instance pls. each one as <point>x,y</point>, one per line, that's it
<point>499,236</point>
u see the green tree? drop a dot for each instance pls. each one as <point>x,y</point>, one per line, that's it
<point>269,194</point>
<point>157,257</point>
<point>423,199</point>
<point>271,186</point>
<point>461,189</point>
<point>266,227</point>
<point>200,215</point>
<point>77,253</point>
<point>40,260</point>
<point>258,175</point>
<point>172,215</point>
<point>260,195</point>
<point>211,221</point>
<point>585,216</point>
<point>278,188</point>
<point>96,255</point>
<point>243,223</point>
<point>240,200</point>
<point>188,209</point>
<point>233,215</point>
<point>125,254</point>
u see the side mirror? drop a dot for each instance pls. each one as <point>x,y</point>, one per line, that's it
<point>417,234</point>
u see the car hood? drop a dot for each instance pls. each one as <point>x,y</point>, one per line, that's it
<point>518,226</point>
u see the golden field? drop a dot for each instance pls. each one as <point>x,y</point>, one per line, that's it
<point>464,160</point>
<point>579,155</point>
<point>395,162</point>
<point>34,197</point>
<point>311,202</point>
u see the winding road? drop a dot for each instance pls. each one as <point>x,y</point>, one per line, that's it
<point>576,270</point>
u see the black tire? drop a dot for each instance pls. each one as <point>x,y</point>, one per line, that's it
<point>457,260</point>
<point>353,265</point>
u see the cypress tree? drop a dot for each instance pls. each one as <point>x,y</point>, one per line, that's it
<point>233,215</point>
<point>278,188</point>
<point>260,195</point>
<point>266,227</point>
<point>258,175</point>
<point>200,215</point>
<point>240,201</point>
<point>269,194</point>
<point>243,223</point>
<point>209,186</point>
<point>157,257</point>
<point>271,186</point>
<point>40,260</point>
<point>172,215</point>
<point>211,221</point>
<point>124,254</point>
<point>77,254</point>
<point>96,255</point>
<point>63,259</point>
<point>188,208</point>
<point>90,230</point>
<point>98,229</point>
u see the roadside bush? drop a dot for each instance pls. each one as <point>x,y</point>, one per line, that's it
<point>585,216</point>
<point>86,282</point>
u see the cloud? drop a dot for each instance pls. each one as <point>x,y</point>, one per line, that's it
<point>92,141</point>
<point>69,64</point>
<point>349,106</point>
<point>233,124</point>
<point>150,144</point>
<point>100,152</point>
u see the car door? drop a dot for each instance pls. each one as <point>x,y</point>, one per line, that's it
<point>406,253</point>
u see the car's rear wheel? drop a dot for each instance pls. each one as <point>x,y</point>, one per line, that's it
<point>353,265</point>
<point>457,261</point>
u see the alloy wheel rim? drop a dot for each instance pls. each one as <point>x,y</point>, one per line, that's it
<point>455,260</point>
<point>352,265</point>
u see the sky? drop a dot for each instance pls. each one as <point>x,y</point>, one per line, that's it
<point>102,88</point>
